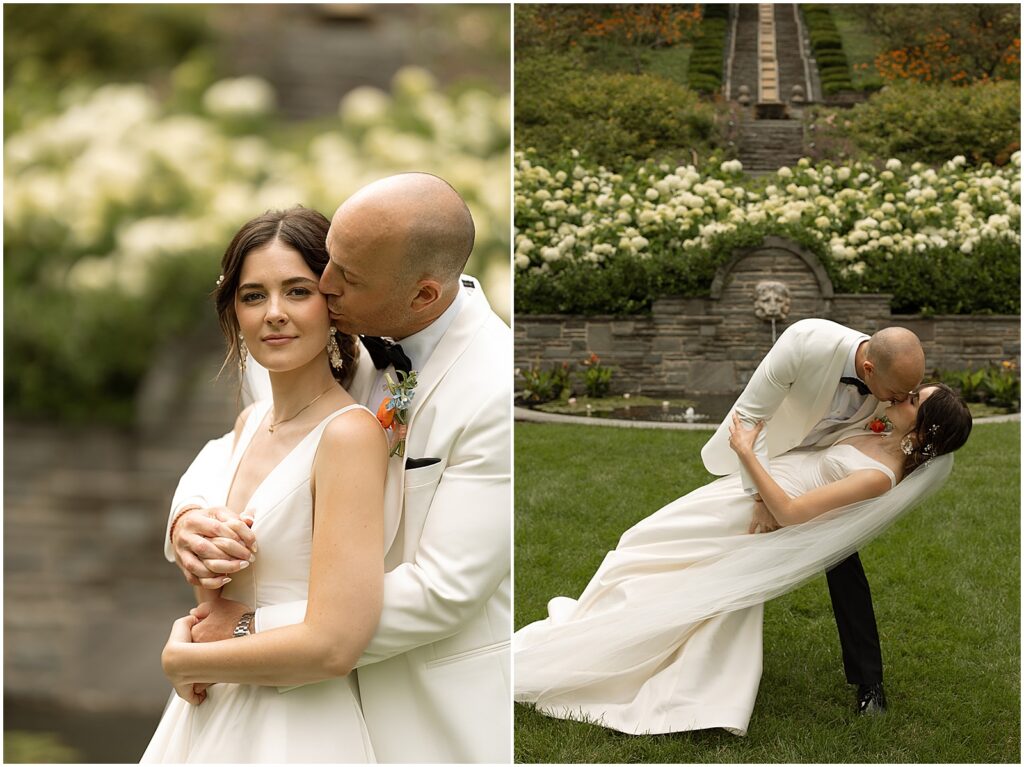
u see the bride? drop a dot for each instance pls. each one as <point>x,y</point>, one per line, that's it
<point>666,637</point>
<point>308,468</point>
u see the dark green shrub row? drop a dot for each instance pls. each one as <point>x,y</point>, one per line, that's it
<point>945,282</point>
<point>705,70</point>
<point>607,117</point>
<point>827,45</point>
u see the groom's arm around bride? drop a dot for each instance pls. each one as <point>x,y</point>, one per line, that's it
<point>437,671</point>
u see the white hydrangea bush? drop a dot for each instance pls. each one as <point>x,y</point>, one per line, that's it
<point>116,192</point>
<point>117,182</point>
<point>854,216</point>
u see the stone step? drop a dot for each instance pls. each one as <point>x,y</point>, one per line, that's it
<point>786,66</point>
<point>745,55</point>
<point>788,47</point>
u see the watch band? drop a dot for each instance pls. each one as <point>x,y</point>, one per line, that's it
<point>242,627</point>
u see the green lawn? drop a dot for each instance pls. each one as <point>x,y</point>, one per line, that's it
<point>860,43</point>
<point>945,581</point>
<point>671,62</point>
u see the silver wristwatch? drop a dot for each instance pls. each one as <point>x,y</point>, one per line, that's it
<point>242,627</point>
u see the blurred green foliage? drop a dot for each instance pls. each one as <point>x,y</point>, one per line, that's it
<point>47,47</point>
<point>120,196</point>
<point>25,747</point>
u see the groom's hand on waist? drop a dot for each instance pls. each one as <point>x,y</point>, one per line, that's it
<point>209,544</point>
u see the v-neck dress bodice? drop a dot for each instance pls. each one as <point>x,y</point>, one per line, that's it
<point>282,511</point>
<point>237,723</point>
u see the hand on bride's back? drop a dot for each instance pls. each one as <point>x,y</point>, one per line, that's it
<point>210,544</point>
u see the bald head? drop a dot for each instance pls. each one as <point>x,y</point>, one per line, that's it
<point>894,362</point>
<point>419,215</point>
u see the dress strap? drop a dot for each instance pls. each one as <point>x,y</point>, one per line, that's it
<point>876,464</point>
<point>886,469</point>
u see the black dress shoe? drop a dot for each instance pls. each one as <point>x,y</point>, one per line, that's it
<point>870,699</point>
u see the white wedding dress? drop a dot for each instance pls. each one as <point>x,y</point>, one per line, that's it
<point>238,723</point>
<point>666,637</point>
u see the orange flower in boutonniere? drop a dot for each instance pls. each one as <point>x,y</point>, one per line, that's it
<point>385,414</point>
<point>393,411</point>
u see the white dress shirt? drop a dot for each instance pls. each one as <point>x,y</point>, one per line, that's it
<point>846,402</point>
<point>419,346</point>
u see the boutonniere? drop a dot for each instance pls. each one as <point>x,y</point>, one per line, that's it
<point>879,424</point>
<point>393,411</point>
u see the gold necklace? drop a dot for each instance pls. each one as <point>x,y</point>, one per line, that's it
<point>307,405</point>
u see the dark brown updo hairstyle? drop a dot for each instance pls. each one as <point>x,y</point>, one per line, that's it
<point>943,425</point>
<point>304,231</point>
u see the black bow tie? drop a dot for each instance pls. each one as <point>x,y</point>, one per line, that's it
<point>384,353</point>
<point>861,386</point>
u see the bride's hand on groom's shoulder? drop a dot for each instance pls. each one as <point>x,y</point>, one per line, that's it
<point>741,439</point>
<point>210,544</point>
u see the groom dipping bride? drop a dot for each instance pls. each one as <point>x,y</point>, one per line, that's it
<point>433,681</point>
<point>666,637</point>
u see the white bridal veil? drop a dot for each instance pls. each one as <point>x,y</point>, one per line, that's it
<point>255,382</point>
<point>754,569</point>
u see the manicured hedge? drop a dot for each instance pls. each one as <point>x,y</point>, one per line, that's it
<point>827,46</point>
<point>706,65</point>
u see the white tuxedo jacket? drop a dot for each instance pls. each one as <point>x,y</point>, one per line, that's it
<point>791,390</point>
<point>435,679</point>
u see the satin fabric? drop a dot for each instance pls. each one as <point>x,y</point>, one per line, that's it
<point>239,723</point>
<point>648,647</point>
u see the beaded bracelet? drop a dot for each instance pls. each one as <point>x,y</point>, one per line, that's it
<point>178,516</point>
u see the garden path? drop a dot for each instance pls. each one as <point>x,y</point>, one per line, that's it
<point>537,416</point>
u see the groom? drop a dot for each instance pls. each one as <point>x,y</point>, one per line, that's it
<point>434,681</point>
<point>819,383</point>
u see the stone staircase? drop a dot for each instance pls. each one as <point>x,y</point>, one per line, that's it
<point>788,46</point>
<point>743,66</point>
<point>766,61</point>
<point>767,145</point>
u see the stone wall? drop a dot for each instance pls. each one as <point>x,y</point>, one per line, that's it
<point>693,346</point>
<point>88,596</point>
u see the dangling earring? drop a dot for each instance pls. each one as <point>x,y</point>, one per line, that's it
<point>907,445</point>
<point>334,351</point>
<point>243,354</point>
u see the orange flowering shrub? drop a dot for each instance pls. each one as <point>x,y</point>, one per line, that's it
<point>653,24</point>
<point>640,24</point>
<point>952,57</point>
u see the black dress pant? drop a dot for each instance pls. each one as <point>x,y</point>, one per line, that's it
<point>855,619</point>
